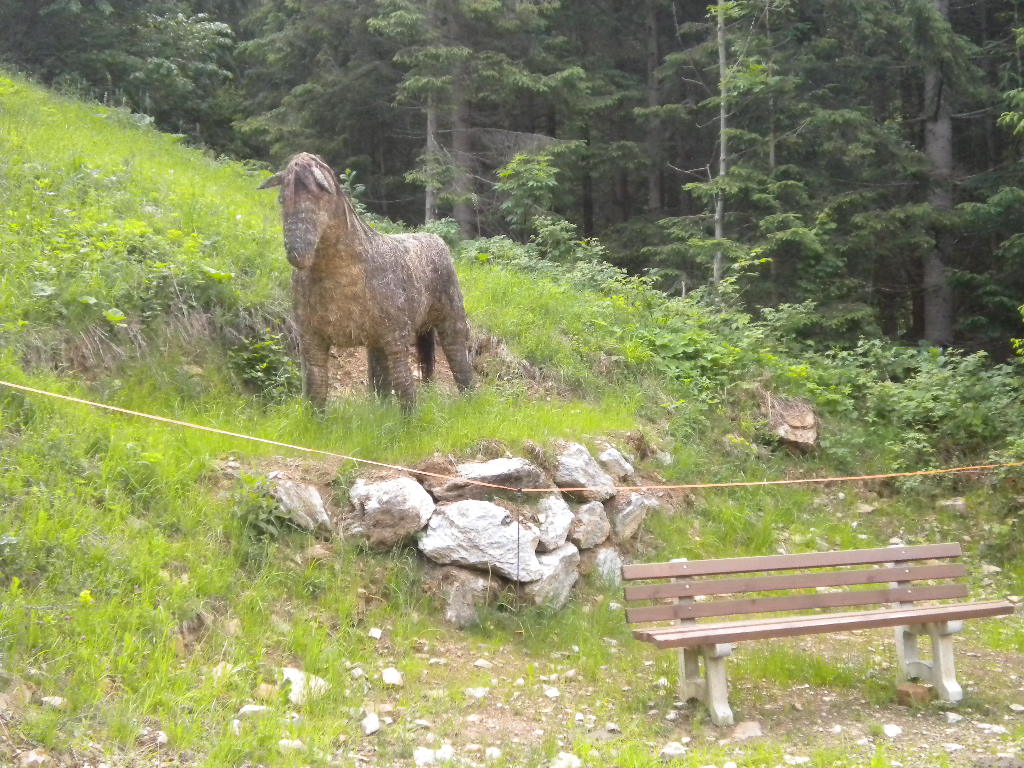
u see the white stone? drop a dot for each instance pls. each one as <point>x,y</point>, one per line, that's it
<point>290,745</point>
<point>509,472</point>
<point>1017,708</point>
<point>612,727</point>
<point>729,764</point>
<point>391,510</point>
<point>376,633</point>
<point>357,673</point>
<point>482,535</point>
<point>953,717</point>
<point>607,566</point>
<point>576,468</point>
<point>32,758</point>
<point>555,518</point>
<point>795,760</point>
<point>392,677</point>
<point>463,592</point>
<point>551,692</point>
<point>371,723</point>
<point>492,753</point>
<point>236,727</point>
<point>444,753</point>
<point>949,747</point>
<point>957,504</point>
<point>590,525</point>
<point>303,686</point>
<point>424,756</point>
<point>477,693</point>
<point>892,730</point>
<point>54,702</point>
<point>748,729</point>
<point>559,572</point>
<point>628,514</point>
<point>303,505</point>
<point>988,569</point>
<point>252,710</point>
<point>483,664</point>
<point>672,750</point>
<point>614,463</point>
<point>566,760</point>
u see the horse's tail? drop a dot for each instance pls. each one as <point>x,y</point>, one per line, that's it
<point>425,354</point>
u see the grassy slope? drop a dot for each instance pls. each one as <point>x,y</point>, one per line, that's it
<point>125,531</point>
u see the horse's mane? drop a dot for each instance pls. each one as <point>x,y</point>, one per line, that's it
<point>308,174</point>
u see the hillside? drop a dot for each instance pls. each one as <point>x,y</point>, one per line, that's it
<point>145,274</point>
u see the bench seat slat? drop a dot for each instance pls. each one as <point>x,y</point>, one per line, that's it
<point>788,626</point>
<point>794,581</point>
<point>796,602</point>
<point>788,562</point>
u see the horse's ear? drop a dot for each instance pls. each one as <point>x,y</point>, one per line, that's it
<point>273,181</point>
<point>323,182</point>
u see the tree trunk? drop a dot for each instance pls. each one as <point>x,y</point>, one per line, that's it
<point>938,148</point>
<point>723,156</point>
<point>463,208</point>
<point>654,201</point>
<point>430,207</point>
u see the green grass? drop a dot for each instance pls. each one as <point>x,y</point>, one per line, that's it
<point>125,531</point>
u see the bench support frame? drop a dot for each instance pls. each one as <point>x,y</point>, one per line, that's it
<point>711,688</point>
<point>940,672</point>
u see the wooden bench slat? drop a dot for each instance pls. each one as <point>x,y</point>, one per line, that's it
<point>676,637</point>
<point>788,562</point>
<point>794,581</point>
<point>796,602</point>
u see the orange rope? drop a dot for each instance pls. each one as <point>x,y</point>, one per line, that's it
<point>370,462</point>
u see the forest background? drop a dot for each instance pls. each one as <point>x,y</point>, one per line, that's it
<point>852,168</point>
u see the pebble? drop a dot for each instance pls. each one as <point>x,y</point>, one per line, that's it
<point>236,727</point>
<point>371,723</point>
<point>953,717</point>
<point>612,728</point>
<point>1017,707</point>
<point>422,724</point>
<point>492,753</point>
<point>392,677</point>
<point>990,728</point>
<point>795,759</point>
<point>55,702</point>
<point>357,672</point>
<point>748,729</point>
<point>566,760</point>
<point>671,750</point>
<point>376,633</point>
<point>252,710</point>
<point>952,747</point>
<point>551,692</point>
<point>32,758</point>
<point>290,745</point>
<point>477,693</point>
<point>303,686</point>
<point>892,730</point>
<point>483,664</point>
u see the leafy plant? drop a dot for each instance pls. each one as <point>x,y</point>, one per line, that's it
<point>264,365</point>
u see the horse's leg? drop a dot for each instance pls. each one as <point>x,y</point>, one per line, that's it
<point>316,355</point>
<point>454,335</point>
<point>396,350</point>
<point>377,367</point>
<point>425,354</point>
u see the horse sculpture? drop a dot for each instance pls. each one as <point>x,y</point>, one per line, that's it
<point>354,286</point>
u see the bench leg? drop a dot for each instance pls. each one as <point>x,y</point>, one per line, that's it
<point>691,683</point>
<point>716,696</point>
<point>943,668</point>
<point>909,665</point>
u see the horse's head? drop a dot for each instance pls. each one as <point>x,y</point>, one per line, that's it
<point>309,202</point>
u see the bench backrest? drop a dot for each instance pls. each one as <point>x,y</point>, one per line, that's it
<point>712,578</point>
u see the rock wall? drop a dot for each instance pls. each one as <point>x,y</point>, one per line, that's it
<point>485,541</point>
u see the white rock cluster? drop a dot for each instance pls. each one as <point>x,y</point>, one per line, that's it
<point>486,540</point>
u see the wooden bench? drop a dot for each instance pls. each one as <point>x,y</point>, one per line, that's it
<point>811,585</point>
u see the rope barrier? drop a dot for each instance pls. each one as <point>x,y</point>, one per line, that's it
<point>481,483</point>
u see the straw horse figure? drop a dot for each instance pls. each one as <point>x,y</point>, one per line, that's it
<point>354,286</point>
